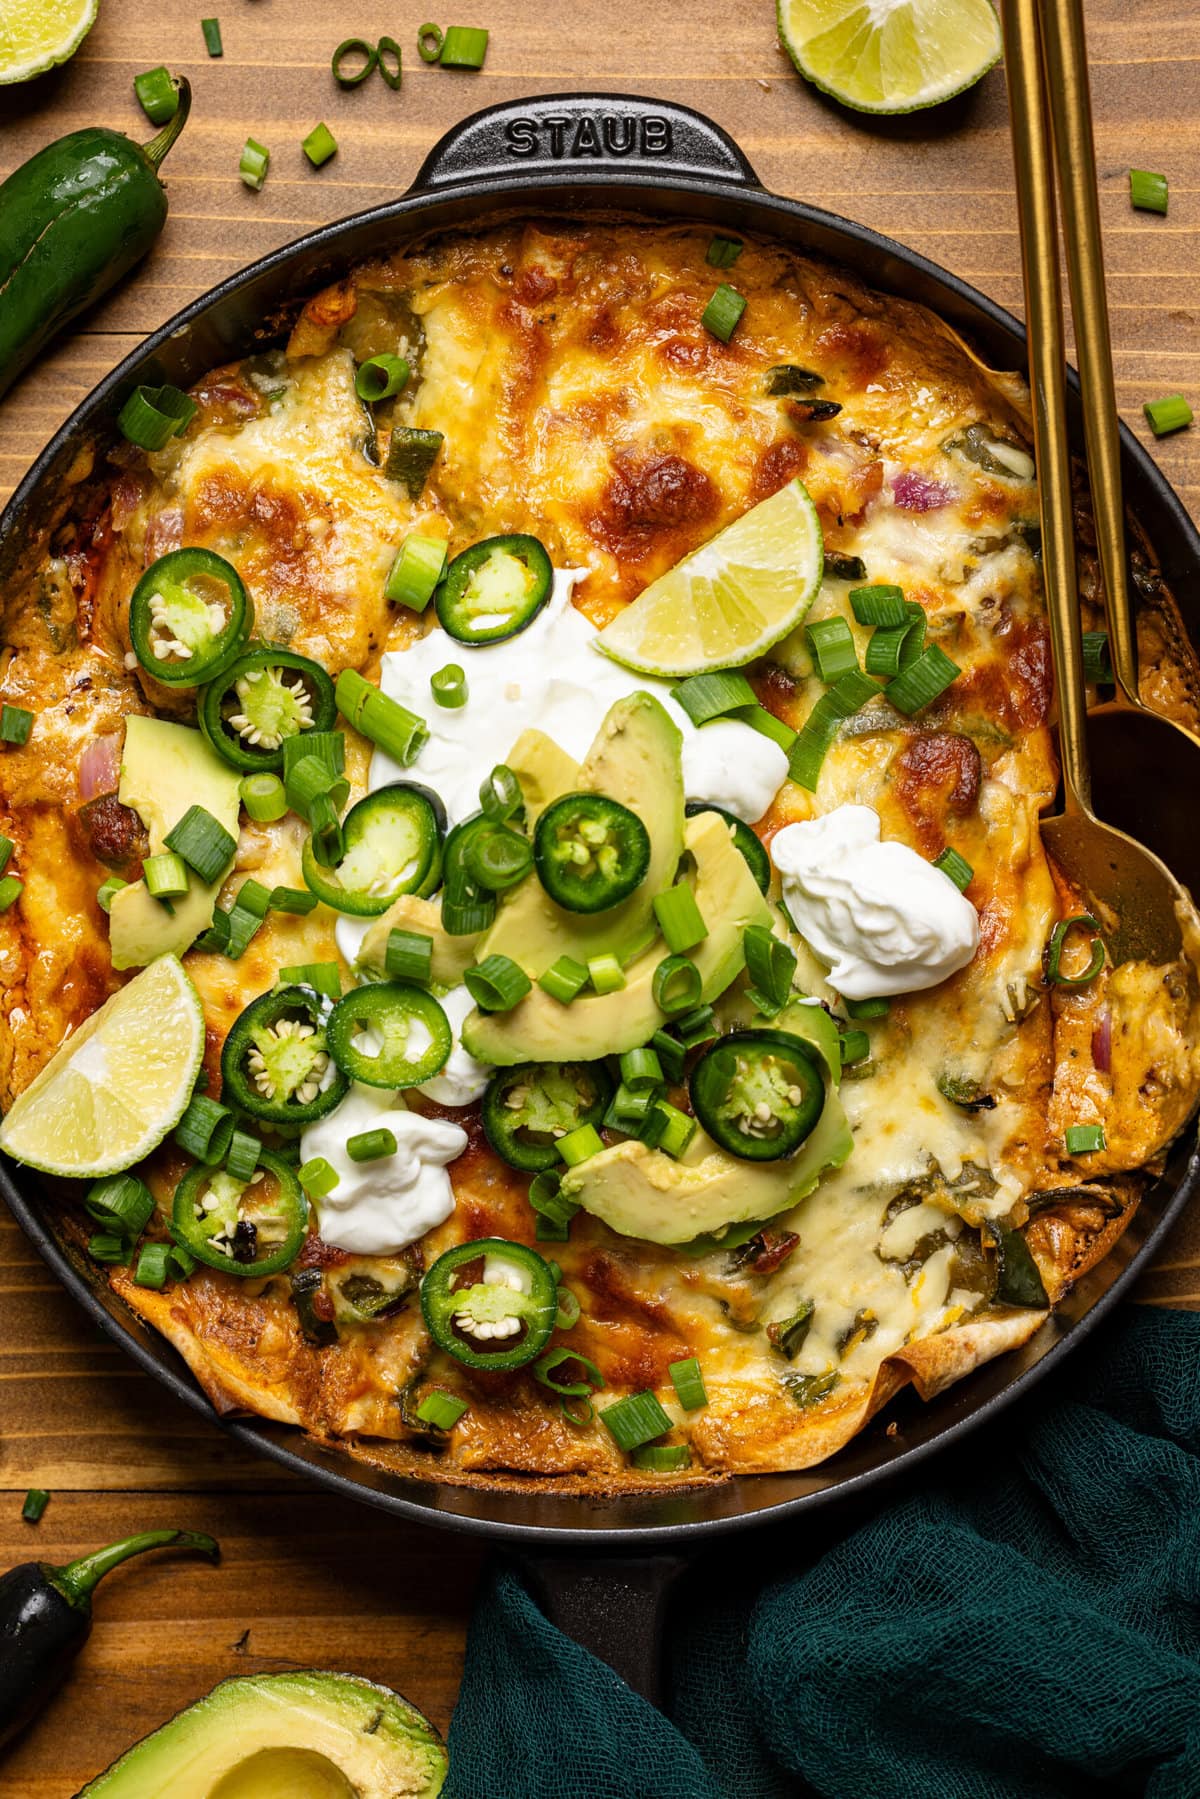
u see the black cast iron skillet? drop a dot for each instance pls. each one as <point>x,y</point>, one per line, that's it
<point>603,1567</point>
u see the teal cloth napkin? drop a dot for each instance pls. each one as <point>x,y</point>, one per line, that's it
<point>1024,1624</point>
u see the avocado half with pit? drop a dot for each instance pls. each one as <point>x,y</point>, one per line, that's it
<point>305,1735</point>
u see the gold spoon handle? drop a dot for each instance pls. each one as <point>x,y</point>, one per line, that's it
<point>1047,370</point>
<point>1065,50</point>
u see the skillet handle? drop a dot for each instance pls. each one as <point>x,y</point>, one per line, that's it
<point>615,1608</point>
<point>555,135</point>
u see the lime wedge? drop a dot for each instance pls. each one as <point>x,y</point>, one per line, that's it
<point>37,34</point>
<point>731,599</point>
<point>891,55</point>
<point>114,1089</point>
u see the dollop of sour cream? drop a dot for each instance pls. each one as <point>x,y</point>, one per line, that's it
<point>462,1079</point>
<point>552,677</point>
<point>378,1207</point>
<point>884,919</point>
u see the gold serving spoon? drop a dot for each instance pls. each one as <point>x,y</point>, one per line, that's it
<point>1132,748</point>
<point>1139,904</point>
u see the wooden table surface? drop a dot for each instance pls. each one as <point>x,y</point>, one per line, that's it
<point>307,1579</point>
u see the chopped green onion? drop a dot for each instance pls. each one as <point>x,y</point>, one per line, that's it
<point>500,794</point>
<point>256,160</point>
<point>676,985</point>
<point>463,47</point>
<point>246,915</point>
<point>577,1145</point>
<point>416,572</point>
<point>569,1309</point>
<point>113,1251</point>
<point>679,918</point>
<point>893,648</point>
<point>372,1146</point>
<point>564,980</point>
<point>317,1177</point>
<point>704,697</point>
<point>153,1266</point>
<point>398,732</point>
<point>956,867</point>
<point>319,145</point>
<point>667,1128</point>
<point>628,1111</point>
<point>10,891</point>
<point>1096,664</point>
<point>411,455</point>
<point>387,46</point>
<point>554,1210</point>
<point>880,604</point>
<point>441,1410</point>
<point>206,1130</point>
<point>348,48</point>
<point>241,1159</point>
<point>184,1260</point>
<point>1147,191</point>
<point>696,1027</point>
<point>166,876</point>
<point>7,846</point>
<point>449,686</point>
<point>767,725</point>
<point>723,311</point>
<point>832,644</point>
<point>688,1383</point>
<point>214,941</point>
<point>770,963</point>
<point>151,416</point>
<point>379,377</point>
<point>1169,414</point>
<point>36,1501</point>
<point>293,899</point>
<point>846,697</point>
<point>640,1068</point>
<point>922,681</point>
<point>1083,1139</point>
<point>263,797</point>
<point>212,36</point>
<point>606,974</point>
<point>322,977</point>
<point>409,957</point>
<point>662,1458</point>
<point>15,724</point>
<point>157,95</point>
<point>543,1371</point>
<point>204,844</point>
<point>670,1053</point>
<point>634,1420</point>
<point>120,1204</point>
<point>310,777</point>
<point>853,1046</point>
<point>467,918</point>
<point>867,1008</point>
<point>328,746</point>
<point>429,43</point>
<point>106,889</point>
<point>1055,947</point>
<point>496,984</point>
<point>723,252</point>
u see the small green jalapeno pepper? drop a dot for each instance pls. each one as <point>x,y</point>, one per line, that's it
<point>188,617</point>
<point>758,1094</point>
<point>527,1109</point>
<point>491,1303</point>
<point>275,1063</point>
<point>393,845</point>
<point>589,851</point>
<point>391,1035</point>
<point>267,695</point>
<point>744,840</point>
<point>249,1228</point>
<point>494,589</point>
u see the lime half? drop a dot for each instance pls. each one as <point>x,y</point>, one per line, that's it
<point>891,55</point>
<point>37,34</point>
<point>114,1089</point>
<point>731,599</point>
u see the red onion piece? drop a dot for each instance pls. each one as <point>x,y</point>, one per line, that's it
<point>100,766</point>
<point>917,493</point>
<point>1102,1042</point>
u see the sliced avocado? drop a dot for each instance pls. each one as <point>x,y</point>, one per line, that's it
<point>166,768</point>
<point>540,1029</point>
<point>452,956</point>
<point>543,770</point>
<point>283,1736</point>
<point>635,759</point>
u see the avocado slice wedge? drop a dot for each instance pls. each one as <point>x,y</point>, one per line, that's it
<point>277,1736</point>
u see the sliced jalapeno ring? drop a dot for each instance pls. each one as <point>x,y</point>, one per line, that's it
<point>491,1303</point>
<point>494,589</point>
<point>758,1094</point>
<point>390,1035</point>
<point>268,694</point>
<point>590,852</point>
<point>744,839</point>
<point>249,1228</point>
<point>188,617</point>
<point>527,1109</point>
<point>393,845</point>
<point>276,1065</point>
